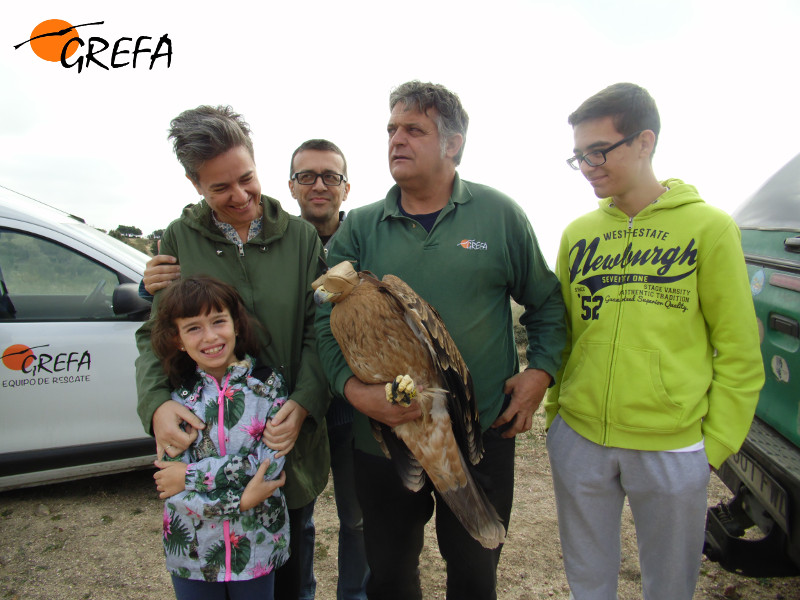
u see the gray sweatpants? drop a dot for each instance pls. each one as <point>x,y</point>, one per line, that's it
<point>667,492</point>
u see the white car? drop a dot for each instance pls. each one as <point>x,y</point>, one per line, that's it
<point>69,309</point>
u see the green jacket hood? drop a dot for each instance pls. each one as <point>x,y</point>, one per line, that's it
<point>275,220</point>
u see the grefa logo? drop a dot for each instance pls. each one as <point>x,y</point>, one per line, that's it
<point>23,359</point>
<point>473,245</point>
<point>55,40</point>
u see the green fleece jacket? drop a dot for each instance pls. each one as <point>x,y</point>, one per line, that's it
<point>662,345</point>
<point>480,252</point>
<point>273,274</point>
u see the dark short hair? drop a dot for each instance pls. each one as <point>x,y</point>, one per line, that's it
<point>451,118</point>
<point>630,106</point>
<point>205,132</point>
<point>322,146</point>
<point>191,297</point>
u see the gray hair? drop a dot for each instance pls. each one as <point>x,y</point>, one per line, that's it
<point>322,146</point>
<point>205,132</point>
<point>451,118</point>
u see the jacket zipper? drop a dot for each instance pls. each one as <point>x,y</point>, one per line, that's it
<point>618,321</point>
<point>226,524</point>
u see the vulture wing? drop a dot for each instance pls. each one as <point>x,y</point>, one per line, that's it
<point>429,329</point>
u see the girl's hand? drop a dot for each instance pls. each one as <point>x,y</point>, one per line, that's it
<point>258,490</point>
<point>170,478</point>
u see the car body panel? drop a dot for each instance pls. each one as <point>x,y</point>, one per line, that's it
<point>67,383</point>
<point>764,475</point>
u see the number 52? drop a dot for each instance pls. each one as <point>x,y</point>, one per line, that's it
<point>589,311</point>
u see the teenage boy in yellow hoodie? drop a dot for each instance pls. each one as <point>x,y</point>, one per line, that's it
<point>661,370</point>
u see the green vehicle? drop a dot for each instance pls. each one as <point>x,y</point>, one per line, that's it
<point>765,475</point>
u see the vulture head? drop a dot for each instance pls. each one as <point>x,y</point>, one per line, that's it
<point>335,285</point>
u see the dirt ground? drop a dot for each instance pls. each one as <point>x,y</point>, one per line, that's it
<point>100,539</point>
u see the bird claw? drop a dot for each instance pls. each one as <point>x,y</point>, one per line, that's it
<point>401,391</point>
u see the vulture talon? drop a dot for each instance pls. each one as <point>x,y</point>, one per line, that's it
<point>401,391</point>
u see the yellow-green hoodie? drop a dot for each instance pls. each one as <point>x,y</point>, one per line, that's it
<point>662,342</point>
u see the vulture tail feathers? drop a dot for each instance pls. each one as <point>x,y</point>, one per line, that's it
<point>405,463</point>
<point>473,509</point>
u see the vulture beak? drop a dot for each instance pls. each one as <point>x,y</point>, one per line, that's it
<point>321,295</point>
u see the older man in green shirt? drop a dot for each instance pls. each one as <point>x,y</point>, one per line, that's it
<point>467,249</point>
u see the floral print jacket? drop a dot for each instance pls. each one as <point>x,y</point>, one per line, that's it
<point>206,536</point>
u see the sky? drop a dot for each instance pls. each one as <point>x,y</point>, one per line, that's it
<point>93,143</point>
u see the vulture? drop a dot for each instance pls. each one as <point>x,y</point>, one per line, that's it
<point>388,333</point>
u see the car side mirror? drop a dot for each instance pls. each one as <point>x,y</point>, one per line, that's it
<point>127,302</point>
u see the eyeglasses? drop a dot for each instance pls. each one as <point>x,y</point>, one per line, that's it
<point>310,178</point>
<point>595,158</point>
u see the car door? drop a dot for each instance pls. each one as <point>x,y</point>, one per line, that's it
<point>67,388</point>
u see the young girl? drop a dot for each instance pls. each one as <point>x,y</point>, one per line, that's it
<point>226,525</point>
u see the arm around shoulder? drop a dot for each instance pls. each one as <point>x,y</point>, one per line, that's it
<point>151,383</point>
<point>311,387</point>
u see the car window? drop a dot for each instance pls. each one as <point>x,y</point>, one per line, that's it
<point>776,205</point>
<point>43,281</point>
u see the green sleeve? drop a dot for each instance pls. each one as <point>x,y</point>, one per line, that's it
<point>551,404</point>
<point>342,248</point>
<point>311,387</point>
<point>536,288</point>
<point>152,385</point>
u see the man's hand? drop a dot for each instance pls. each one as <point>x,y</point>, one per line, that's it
<point>257,489</point>
<point>527,390</point>
<point>170,478</point>
<point>370,399</point>
<point>170,438</point>
<point>282,430</point>
<point>159,272</point>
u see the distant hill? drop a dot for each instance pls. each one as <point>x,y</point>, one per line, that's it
<point>140,243</point>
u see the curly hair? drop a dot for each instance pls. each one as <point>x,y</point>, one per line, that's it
<point>191,297</point>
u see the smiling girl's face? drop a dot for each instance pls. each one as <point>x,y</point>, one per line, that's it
<point>209,340</point>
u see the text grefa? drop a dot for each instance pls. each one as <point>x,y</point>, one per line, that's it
<point>66,361</point>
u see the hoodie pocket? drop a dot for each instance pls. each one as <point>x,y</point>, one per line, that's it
<point>638,397</point>
<point>584,380</point>
<point>632,396</point>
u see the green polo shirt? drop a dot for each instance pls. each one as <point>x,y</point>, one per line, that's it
<point>480,252</point>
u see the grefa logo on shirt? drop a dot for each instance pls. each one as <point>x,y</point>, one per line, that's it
<point>473,245</point>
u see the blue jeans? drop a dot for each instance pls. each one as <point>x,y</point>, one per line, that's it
<point>352,556</point>
<point>251,589</point>
<point>295,579</point>
<point>394,523</point>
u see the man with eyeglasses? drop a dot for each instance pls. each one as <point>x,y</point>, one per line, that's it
<point>661,369</point>
<point>467,249</point>
<point>318,181</point>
